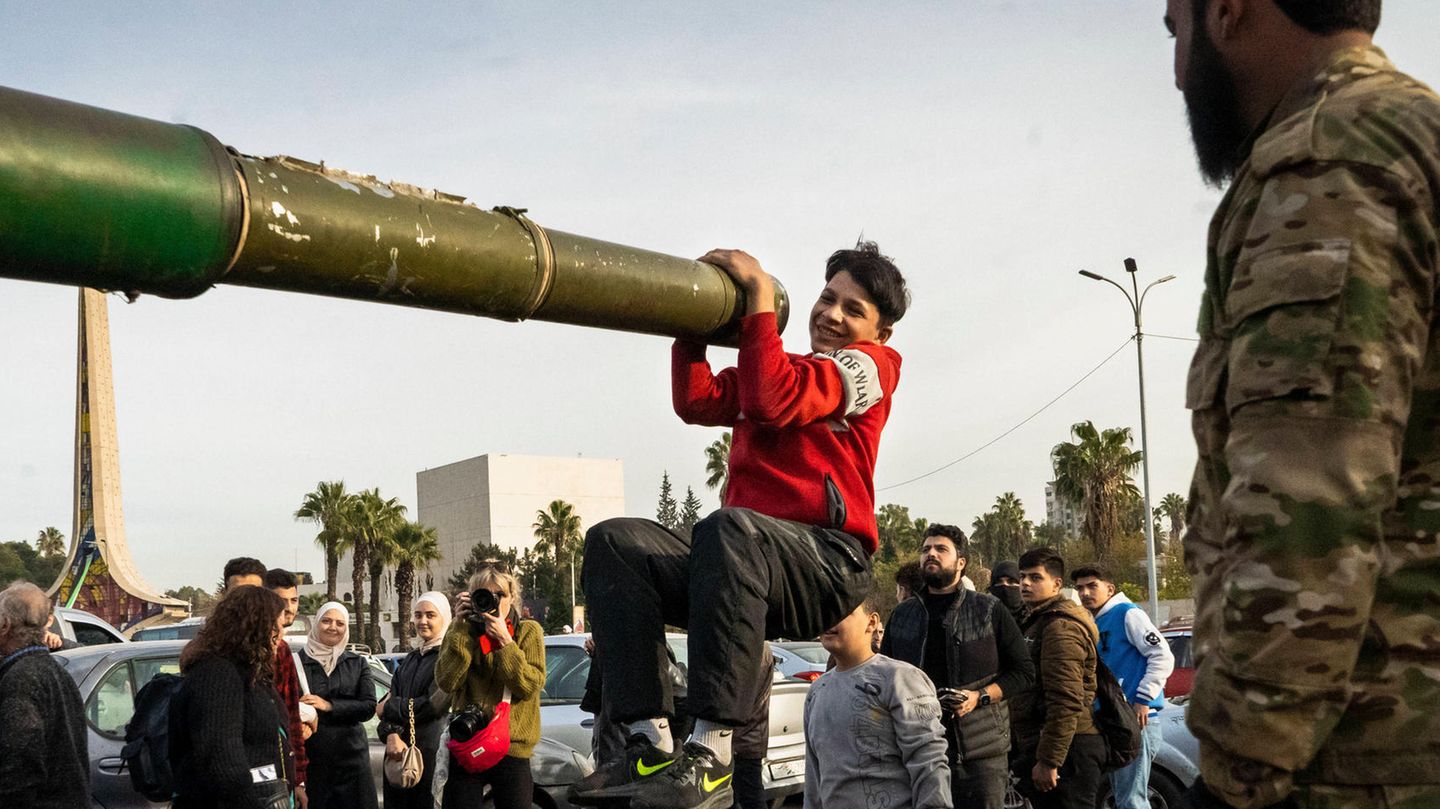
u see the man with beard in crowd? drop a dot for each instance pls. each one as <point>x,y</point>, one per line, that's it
<point>1316,395</point>
<point>971,648</point>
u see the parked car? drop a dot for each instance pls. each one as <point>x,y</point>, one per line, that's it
<point>79,626</point>
<point>391,660</point>
<point>109,676</point>
<point>1176,765</point>
<point>1182,679</point>
<point>805,660</point>
<point>567,667</point>
<point>185,630</point>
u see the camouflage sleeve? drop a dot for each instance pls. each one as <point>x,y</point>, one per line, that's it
<point>1327,317</point>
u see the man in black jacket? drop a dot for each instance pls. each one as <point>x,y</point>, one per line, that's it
<point>970,646</point>
<point>44,761</point>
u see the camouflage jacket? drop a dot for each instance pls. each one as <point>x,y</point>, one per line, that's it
<point>1316,395</point>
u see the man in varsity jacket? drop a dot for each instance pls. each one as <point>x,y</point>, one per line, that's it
<point>1141,660</point>
<point>788,554</point>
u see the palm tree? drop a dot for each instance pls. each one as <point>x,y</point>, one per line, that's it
<point>1095,470</point>
<point>50,542</point>
<point>311,603</point>
<point>1011,531</point>
<point>326,507</point>
<point>1173,506</point>
<point>557,531</point>
<point>413,546</point>
<point>717,465</point>
<point>376,520</point>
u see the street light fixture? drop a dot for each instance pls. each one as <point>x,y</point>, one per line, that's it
<point>1137,302</point>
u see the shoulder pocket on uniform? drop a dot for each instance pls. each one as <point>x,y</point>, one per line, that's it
<point>1283,308</point>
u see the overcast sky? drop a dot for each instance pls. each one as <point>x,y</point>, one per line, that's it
<point>992,148</point>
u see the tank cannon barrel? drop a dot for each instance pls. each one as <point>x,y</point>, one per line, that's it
<point>96,198</point>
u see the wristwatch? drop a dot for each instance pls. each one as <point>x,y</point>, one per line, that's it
<point>984,698</point>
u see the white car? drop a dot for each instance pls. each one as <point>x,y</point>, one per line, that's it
<point>805,659</point>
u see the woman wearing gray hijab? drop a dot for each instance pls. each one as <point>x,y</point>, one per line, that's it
<point>413,690</point>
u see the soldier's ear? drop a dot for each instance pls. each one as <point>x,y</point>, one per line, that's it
<point>1223,18</point>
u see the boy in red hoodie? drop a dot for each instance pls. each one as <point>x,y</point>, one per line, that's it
<point>788,554</point>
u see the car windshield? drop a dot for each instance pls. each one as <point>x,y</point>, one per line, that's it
<point>809,652</point>
<point>1180,647</point>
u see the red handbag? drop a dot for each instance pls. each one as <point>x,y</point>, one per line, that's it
<point>485,749</point>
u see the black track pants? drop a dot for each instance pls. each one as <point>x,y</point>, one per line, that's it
<point>741,578</point>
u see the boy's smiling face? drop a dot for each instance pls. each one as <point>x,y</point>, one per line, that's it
<point>843,315</point>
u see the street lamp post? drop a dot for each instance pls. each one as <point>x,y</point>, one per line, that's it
<point>1137,301</point>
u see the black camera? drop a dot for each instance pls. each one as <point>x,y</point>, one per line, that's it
<point>482,601</point>
<point>469,722</point>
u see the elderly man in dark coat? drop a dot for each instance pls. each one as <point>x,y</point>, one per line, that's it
<point>43,759</point>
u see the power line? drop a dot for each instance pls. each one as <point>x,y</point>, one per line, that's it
<point>1026,420</point>
<point>1173,337</point>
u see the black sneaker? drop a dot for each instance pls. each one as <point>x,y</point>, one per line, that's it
<point>697,780</point>
<point>618,780</point>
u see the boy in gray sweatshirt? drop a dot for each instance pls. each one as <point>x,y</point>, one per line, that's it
<point>873,738</point>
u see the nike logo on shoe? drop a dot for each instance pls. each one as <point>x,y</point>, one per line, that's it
<point>711,786</point>
<point>646,769</point>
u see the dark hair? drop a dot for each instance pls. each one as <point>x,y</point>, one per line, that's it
<point>243,566</point>
<point>241,629</point>
<point>1086,571</point>
<point>877,275</point>
<point>909,576</point>
<point>1321,17</point>
<point>1046,558</point>
<point>277,579</point>
<point>952,533</point>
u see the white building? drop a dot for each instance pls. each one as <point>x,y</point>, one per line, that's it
<point>1061,512</point>
<point>493,499</point>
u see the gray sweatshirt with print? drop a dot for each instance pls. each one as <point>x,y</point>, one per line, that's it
<point>873,740</point>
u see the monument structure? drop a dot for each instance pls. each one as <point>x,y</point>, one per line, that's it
<point>99,575</point>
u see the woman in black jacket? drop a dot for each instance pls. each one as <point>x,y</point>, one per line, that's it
<point>227,726</point>
<point>414,690</point>
<point>342,692</point>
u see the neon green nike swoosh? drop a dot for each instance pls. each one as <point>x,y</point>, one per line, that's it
<point>644,769</point>
<point>711,786</point>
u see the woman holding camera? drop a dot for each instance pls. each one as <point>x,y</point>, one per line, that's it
<point>416,705</point>
<point>487,651</point>
<point>342,692</point>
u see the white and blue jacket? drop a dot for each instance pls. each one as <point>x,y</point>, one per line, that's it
<point>1134,651</point>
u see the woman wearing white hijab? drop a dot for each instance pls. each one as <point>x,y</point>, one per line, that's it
<point>413,688</point>
<point>342,692</point>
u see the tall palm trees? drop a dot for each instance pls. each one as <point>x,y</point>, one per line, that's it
<point>557,531</point>
<point>50,542</point>
<point>373,520</point>
<point>717,465</point>
<point>1095,470</point>
<point>1003,532</point>
<point>413,546</point>
<point>1172,506</point>
<point>328,507</point>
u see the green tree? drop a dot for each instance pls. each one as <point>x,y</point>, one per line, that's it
<point>557,532</point>
<point>198,598</point>
<point>899,535</point>
<point>689,511</point>
<point>667,513</point>
<point>1050,535</point>
<point>376,518</point>
<point>717,465</point>
<point>1172,506</point>
<point>414,547</point>
<point>480,556</point>
<point>12,564</point>
<point>50,542</point>
<point>328,507</point>
<point>1003,532</point>
<point>311,603</point>
<point>1094,469</point>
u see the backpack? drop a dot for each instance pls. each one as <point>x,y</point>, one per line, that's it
<point>147,739</point>
<point>1113,716</point>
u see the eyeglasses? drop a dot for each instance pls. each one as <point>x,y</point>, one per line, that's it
<point>498,565</point>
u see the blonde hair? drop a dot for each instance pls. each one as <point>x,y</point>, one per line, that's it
<point>492,576</point>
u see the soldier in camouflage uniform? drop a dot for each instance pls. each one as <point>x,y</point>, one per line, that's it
<point>1315,506</point>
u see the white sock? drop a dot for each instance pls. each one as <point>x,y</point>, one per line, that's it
<point>714,737</point>
<point>657,730</point>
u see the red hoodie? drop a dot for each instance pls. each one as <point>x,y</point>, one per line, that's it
<point>797,421</point>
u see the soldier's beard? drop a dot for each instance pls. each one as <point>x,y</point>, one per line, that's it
<point>1212,104</point>
<point>940,577</point>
